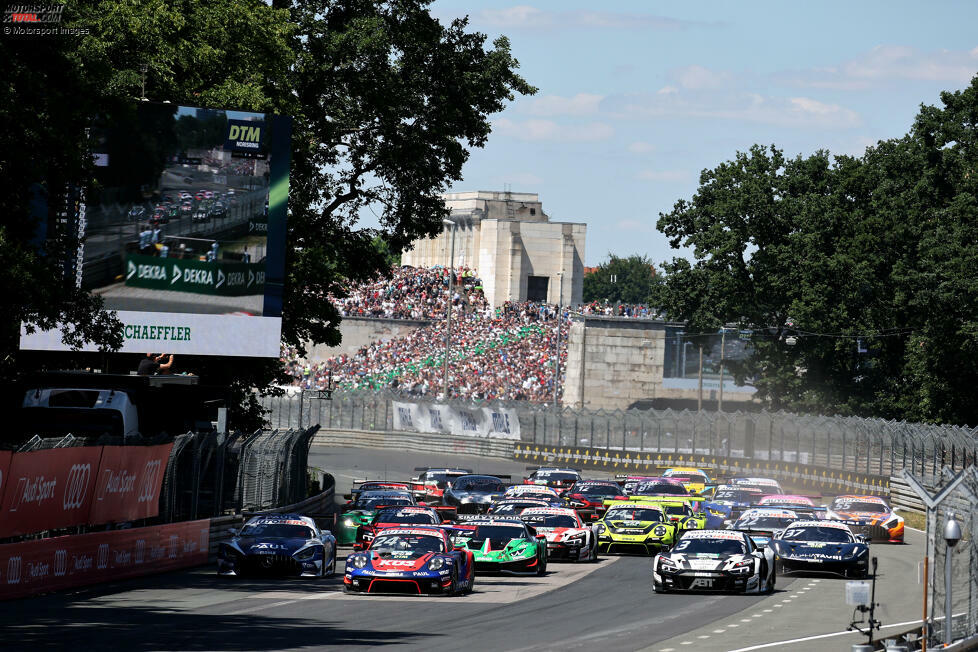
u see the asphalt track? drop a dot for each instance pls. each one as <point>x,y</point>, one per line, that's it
<point>608,605</point>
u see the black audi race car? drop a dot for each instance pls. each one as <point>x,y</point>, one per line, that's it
<point>824,547</point>
<point>281,544</point>
<point>714,560</point>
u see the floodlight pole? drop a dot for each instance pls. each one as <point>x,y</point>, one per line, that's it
<point>448,313</point>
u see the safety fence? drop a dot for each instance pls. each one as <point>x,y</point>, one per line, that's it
<point>838,448</point>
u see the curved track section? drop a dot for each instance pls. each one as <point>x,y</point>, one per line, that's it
<point>608,605</point>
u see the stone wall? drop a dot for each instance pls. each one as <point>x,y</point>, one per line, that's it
<point>361,331</point>
<point>613,363</point>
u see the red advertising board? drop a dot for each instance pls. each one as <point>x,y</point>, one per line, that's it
<point>4,467</point>
<point>48,489</point>
<point>33,567</point>
<point>129,483</point>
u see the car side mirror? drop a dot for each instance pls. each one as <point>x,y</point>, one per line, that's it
<point>359,546</point>
<point>541,537</point>
<point>416,479</point>
<point>862,538</point>
<point>459,548</point>
<point>232,531</point>
<point>727,522</point>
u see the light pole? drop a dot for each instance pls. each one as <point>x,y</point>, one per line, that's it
<point>952,534</point>
<point>448,313</point>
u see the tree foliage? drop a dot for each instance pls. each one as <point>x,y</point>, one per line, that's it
<point>387,102</point>
<point>621,280</point>
<point>867,264</point>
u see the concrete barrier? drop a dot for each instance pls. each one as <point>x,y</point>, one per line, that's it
<point>422,443</point>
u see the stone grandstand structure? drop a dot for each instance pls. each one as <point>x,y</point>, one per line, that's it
<point>519,253</point>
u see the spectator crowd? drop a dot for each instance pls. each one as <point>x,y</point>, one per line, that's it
<point>507,353</point>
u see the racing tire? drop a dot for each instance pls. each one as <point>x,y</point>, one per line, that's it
<point>769,589</point>
<point>594,555</point>
<point>453,589</point>
<point>542,567</point>
<point>658,589</point>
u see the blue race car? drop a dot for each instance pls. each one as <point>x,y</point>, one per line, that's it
<point>413,560</point>
<point>279,544</point>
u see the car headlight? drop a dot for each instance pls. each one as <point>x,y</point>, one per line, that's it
<point>862,552</point>
<point>600,529</point>
<point>742,568</point>
<point>348,522</point>
<point>660,530</point>
<point>306,553</point>
<point>576,504</point>
<point>359,562</point>
<point>892,523</point>
<point>436,563</point>
<point>666,565</point>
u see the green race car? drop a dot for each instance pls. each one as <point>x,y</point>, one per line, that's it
<point>634,526</point>
<point>503,545</point>
<point>361,512</point>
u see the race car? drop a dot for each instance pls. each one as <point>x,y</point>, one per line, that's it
<point>410,560</point>
<point>503,545</point>
<point>361,512</point>
<point>514,506</point>
<point>557,478</point>
<point>736,498</point>
<point>282,544</point>
<point>697,481</point>
<point>761,523</point>
<point>630,526</point>
<point>395,516</point>
<point>629,482</point>
<point>470,494</point>
<point>567,535</point>
<point>430,484</point>
<point>360,486</point>
<point>869,515</point>
<point>826,547</point>
<point>682,514</point>
<point>768,486</point>
<point>535,491</point>
<point>589,495</point>
<point>714,560</point>
<point>660,487</point>
<point>782,500</point>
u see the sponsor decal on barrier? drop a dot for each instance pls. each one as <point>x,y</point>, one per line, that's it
<point>48,489</point>
<point>129,484</point>
<point>492,423</point>
<point>33,567</point>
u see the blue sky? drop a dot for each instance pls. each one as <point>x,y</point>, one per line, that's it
<point>636,98</point>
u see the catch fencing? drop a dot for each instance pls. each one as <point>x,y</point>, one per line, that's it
<point>843,446</point>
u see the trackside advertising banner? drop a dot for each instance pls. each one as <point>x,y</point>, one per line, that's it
<point>4,468</point>
<point>62,487</point>
<point>492,422</point>
<point>129,482</point>
<point>49,489</point>
<point>33,567</point>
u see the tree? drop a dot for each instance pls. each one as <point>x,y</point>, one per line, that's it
<point>386,102</point>
<point>621,280</point>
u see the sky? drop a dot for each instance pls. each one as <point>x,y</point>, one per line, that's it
<point>637,98</point>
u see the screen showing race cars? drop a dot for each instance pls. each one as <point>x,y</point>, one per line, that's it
<point>183,230</point>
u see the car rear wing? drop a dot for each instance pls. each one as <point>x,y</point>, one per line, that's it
<point>447,512</point>
<point>668,499</point>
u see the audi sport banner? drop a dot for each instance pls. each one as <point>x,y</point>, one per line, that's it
<point>33,567</point>
<point>492,422</point>
<point>48,489</point>
<point>129,482</point>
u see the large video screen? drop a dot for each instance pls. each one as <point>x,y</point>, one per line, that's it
<point>184,230</point>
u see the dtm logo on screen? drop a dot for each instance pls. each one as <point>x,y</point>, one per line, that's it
<point>246,138</point>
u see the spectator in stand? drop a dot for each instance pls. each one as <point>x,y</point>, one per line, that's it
<point>153,364</point>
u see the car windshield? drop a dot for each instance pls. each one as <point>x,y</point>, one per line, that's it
<point>403,545</point>
<point>278,530</point>
<point>397,516</point>
<point>815,533</point>
<point>719,547</point>
<point>499,532</point>
<point>737,495</point>
<point>634,514</point>
<point>372,501</point>
<point>440,478</point>
<point>551,520</point>
<point>756,522</point>
<point>653,488</point>
<point>857,506</point>
<point>555,476</point>
<point>678,510</point>
<point>513,508</point>
<point>695,478</point>
<point>478,484</point>
<point>598,490</point>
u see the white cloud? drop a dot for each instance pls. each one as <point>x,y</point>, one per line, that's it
<point>640,147</point>
<point>888,63</point>
<point>529,17</point>
<point>548,130</point>
<point>699,78</point>
<point>739,106</point>
<point>662,175</point>
<point>580,104</point>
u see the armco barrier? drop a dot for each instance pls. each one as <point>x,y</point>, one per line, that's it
<point>423,443</point>
<point>33,567</point>
<point>798,475</point>
<point>902,496</point>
